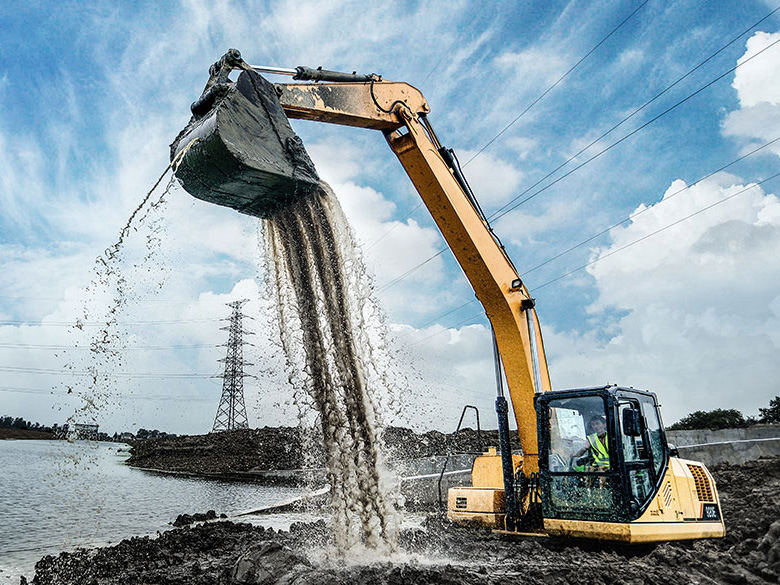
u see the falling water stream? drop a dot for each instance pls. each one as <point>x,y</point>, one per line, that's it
<point>333,347</point>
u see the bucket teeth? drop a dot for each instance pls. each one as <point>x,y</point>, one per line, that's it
<point>247,156</point>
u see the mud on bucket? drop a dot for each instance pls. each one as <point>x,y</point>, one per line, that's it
<point>247,156</point>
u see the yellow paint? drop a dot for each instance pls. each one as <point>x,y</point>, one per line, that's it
<point>495,521</point>
<point>487,470</point>
<point>476,500</point>
<point>633,532</point>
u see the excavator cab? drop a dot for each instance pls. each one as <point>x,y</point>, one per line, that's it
<point>605,470</point>
<point>602,453</point>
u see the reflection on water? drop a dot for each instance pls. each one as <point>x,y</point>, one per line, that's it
<point>56,496</point>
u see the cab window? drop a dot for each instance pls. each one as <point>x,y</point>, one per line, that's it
<point>635,453</point>
<point>578,459</point>
<point>654,436</point>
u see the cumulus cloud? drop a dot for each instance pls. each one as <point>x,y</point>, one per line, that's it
<point>208,254</point>
<point>493,179</point>
<point>697,304</point>
<point>448,368</point>
<point>758,91</point>
<point>692,312</point>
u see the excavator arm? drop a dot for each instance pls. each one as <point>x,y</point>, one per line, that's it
<point>400,111</point>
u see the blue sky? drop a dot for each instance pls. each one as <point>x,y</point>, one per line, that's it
<point>92,94</point>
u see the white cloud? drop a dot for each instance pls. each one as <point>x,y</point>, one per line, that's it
<point>536,66</point>
<point>493,180</point>
<point>758,91</point>
<point>698,304</point>
<point>448,368</point>
<point>520,228</point>
<point>757,81</point>
<point>208,253</point>
<point>693,312</point>
<point>391,247</point>
<point>22,164</point>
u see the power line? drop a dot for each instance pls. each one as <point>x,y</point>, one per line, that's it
<point>103,323</point>
<point>85,348</point>
<point>639,109</point>
<point>616,224</point>
<point>395,225</point>
<point>561,78</point>
<point>640,212</point>
<point>461,32</point>
<point>612,252</point>
<point>52,392</point>
<point>139,375</point>
<point>458,308</point>
<point>536,101</point>
<point>135,300</point>
<point>411,270</point>
<point>498,215</point>
<point>658,231</point>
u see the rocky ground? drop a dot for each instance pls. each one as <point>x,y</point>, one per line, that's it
<point>251,451</point>
<point>438,553</point>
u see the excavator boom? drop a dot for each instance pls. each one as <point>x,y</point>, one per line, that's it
<point>400,111</point>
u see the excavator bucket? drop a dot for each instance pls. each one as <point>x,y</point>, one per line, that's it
<point>245,155</point>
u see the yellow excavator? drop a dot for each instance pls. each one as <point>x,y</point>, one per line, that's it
<point>594,462</point>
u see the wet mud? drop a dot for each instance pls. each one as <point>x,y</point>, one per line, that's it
<point>325,320</point>
<point>440,553</point>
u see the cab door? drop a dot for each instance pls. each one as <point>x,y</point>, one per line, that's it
<point>638,470</point>
<point>575,486</point>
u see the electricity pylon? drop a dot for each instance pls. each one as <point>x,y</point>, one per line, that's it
<point>231,413</point>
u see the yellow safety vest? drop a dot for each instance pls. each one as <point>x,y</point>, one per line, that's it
<point>598,450</point>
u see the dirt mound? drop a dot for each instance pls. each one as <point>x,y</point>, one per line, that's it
<point>245,451</point>
<point>440,553</point>
<point>237,451</point>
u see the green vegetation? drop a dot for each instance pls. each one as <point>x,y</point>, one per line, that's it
<point>771,414</point>
<point>730,418</point>
<point>19,424</point>
<point>61,431</point>
<point>714,419</point>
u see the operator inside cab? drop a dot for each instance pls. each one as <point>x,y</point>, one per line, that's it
<point>595,455</point>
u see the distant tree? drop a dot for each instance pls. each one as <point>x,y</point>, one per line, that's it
<point>720,418</point>
<point>772,414</point>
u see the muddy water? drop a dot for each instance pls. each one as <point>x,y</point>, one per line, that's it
<point>332,339</point>
<point>59,495</point>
